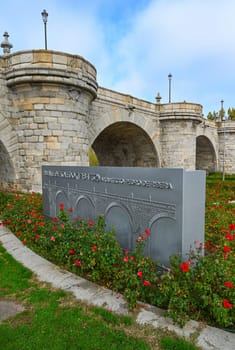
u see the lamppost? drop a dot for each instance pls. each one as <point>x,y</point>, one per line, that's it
<point>222,113</point>
<point>44,18</point>
<point>170,77</point>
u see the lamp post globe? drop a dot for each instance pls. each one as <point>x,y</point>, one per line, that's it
<point>170,77</point>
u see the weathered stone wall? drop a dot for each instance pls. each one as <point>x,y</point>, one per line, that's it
<point>8,138</point>
<point>52,112</point>
<point>50,96</point>
<point>226,132</point>
<point>178,134</point>
<point>124,130</point>
<point>207,146</point>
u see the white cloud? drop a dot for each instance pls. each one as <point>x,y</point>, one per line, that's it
<point>135,44</point>
<point>191,39</point>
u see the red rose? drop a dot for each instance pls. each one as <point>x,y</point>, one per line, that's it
<point>125,259</point>
<point>78,263</point>
<point>147,232</point>
<point>140,274</point>
<point>228,236</point>
<point>72,252</point>
<point>226,249</point>
<point>94,248</point>
<point>147,283</point>
<point>61,205</point>
<point>232,227</point>
<point>227,304</point>
<point>228,284</point>
<point>184,267</point>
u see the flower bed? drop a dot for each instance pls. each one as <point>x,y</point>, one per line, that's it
<point>201,288</point>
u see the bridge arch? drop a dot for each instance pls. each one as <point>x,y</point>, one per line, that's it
<point>125,144</point>
<point>8,148</point>
<point>7,172</point>
<point>205,154</point>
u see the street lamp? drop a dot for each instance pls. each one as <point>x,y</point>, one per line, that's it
<point>170,77</point>
<point>44,18</point>
<point>222,113</point>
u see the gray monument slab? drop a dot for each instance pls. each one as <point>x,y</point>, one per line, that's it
<point>168,202</point>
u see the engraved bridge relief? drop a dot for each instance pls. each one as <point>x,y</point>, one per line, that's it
<point>131,200</point>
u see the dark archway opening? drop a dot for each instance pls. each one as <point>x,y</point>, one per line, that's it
<point>205,155</point>
<point>125,144</point>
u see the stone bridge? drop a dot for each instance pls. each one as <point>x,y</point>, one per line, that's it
<point>52,111</point>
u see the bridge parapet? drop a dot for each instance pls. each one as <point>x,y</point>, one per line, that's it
<point>228,125</point>
<point>180,110</point>
<point>125,100</point>
<point>40,66</point>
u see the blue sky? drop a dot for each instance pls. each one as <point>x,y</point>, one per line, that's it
<point>135,44</point>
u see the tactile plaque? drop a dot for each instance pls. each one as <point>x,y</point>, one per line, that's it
<point>168,202</point>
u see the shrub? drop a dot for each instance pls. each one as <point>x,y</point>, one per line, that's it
<point>202,287</point>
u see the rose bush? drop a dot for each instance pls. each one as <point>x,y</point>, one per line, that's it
<point>201,287</point>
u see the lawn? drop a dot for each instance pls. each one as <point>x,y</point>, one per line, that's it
<point>201,287</point>
<point>55,320</point>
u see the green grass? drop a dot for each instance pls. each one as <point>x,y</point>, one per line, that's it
<point>52,320</point>
<point>168,343</point>
<point>14,277</point>
<point>59,328</point>
<point>217,177</point>
<point>55,320</point>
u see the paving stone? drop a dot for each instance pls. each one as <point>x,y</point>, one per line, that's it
<point>9,309</point>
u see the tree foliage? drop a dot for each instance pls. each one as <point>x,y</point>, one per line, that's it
<point>220,115</point>
<point>212,115</point>
<point>231,113</point>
